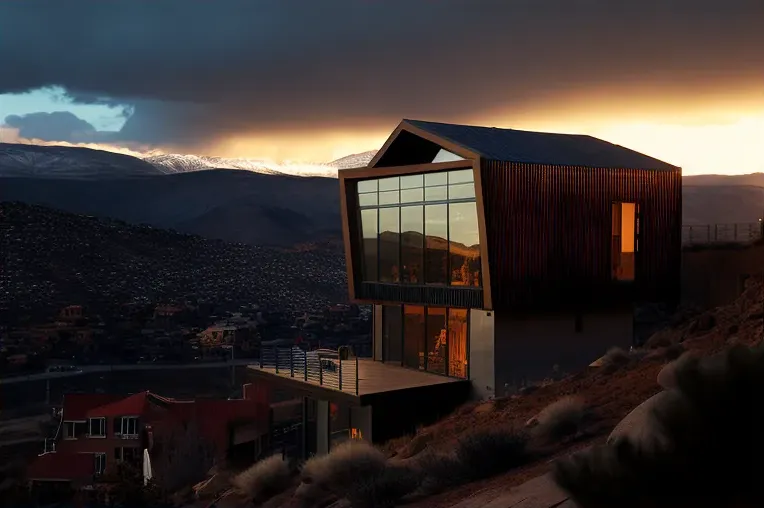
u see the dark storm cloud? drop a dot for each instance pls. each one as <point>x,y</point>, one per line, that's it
<point>197,71</point>
<point>58,126</point>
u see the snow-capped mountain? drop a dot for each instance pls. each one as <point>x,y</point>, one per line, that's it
<point>178,163</point>
<point>356,160</point>
<point>21,160</point>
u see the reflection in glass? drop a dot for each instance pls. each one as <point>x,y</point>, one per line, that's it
<point>412,244</point>
<point>439,193</point>
<point>457,343</point>
<point>413,336</point>
<point>432,179</point>
<point>461,191</point>
<point>464,244</point>
<point>460,176</point>
<point>436,340</point>
<point>367,186</point>
<point>369,244</point>
<point>436,244</point>
<point>412,195</point>
<point>412,181</point>
<point>389,184</point>
<point>389,247</point>
<point>392,333</point>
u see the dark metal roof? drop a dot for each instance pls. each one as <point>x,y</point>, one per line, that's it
<point>512,145</point>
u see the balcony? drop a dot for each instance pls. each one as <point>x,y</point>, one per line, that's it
<point>342,372</point>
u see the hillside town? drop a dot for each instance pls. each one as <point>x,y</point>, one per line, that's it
<point>52,259</point>
<point>174,333</point>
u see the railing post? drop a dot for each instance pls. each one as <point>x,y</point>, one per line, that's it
<point>277,359</point>
<point>320,371</point>
<point>340,367</point>
<point>261,357</point>
<point>356,374</point>
<point>291,362</point>
<point>305,360</point>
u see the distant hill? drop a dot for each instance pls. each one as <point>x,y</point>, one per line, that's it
<point>255,203</point>
<point>69,162</point>
<point>237,206</point>
<point>53,258</point>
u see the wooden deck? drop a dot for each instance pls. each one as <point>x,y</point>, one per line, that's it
<point>373,378</point>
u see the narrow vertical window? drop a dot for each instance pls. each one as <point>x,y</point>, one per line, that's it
<point>624,239</point>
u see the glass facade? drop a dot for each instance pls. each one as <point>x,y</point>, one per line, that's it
<point>420,229</point>
<point>428,338</point>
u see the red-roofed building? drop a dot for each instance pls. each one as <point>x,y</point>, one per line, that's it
<point>98,431</point>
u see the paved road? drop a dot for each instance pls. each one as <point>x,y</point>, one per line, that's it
<point>127,367</point>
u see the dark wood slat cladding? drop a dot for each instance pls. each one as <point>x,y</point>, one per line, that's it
<point>548,234</point>
<point>422,295</point>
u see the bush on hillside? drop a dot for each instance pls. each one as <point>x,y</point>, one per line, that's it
<point>338,472</point>
<point>559,420</point>
<point>264,479</point>
<point>614,359</point>
<point>480,454</point>
<point>713,443</point>
<point>385,488</point>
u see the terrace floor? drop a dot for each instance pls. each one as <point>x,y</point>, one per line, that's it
<point>373,377</point>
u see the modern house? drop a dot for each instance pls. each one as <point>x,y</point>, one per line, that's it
<point>501,256</point>
<point>495,258</point>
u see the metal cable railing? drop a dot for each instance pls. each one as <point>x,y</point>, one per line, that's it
<point>721,233</point>
<point>337,370</point>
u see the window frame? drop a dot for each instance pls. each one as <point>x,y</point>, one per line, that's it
<point>363,187</point>
<point>124,425</point>
<point>637,228</point>
<point>90,434</point>
<point>100,459</point>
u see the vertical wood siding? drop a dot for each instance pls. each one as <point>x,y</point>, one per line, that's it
<point>549,234</point>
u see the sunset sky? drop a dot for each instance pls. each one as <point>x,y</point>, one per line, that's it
<point>681,80</point>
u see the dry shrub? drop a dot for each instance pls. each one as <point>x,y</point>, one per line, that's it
<point>713,443</point>
<point>614,359</point>
<point>264,479</point>
<point>559,420</point>
<point>480,454</point>
<point>385,488</point>
<point>338,472</point>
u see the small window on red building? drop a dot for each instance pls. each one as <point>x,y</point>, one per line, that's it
<point>625,240</point>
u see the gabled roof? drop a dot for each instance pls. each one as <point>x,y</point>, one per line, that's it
<point>512,145</point>
<point>62,466</point>
<point>77,405</point>
<point>134,405</point>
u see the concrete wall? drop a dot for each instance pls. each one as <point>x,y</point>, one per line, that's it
<point>528,349</point>
<point>714,276</point>
<point>360,419</point>
<point>481,353</point>
<point>377,332</point>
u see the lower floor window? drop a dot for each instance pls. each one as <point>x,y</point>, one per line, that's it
<point>125,454</point>
<point>433,339</point>
<point>100,463</point>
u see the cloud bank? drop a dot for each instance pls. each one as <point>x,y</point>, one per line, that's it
<point>195,73</point>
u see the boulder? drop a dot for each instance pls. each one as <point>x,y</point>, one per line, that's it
<point>640,426</point>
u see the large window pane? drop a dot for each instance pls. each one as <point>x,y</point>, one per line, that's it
<point>436,244</point>
<point>464,244</point>
<point>431,179</point>
<point>412,244</point>
<point>369,244</point>
<point>412,181</point>
<point>389,245</point>
<point>389,184</point>
<point>439,193</point>
<point>460,176</point>
<point>367,186</point>
<point>413,336</point>
<point>457,343</point>
<point>392,333</point>
<point>436,340</point>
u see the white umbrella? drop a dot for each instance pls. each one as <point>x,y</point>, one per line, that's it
<point>146,466</point>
